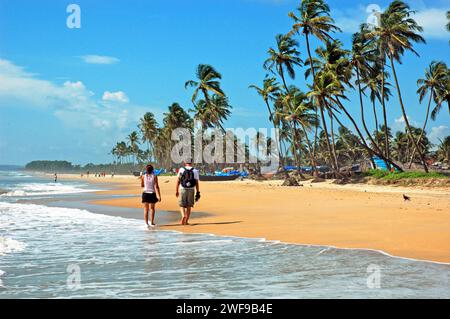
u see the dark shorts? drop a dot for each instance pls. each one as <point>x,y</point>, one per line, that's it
<point>149,198</point>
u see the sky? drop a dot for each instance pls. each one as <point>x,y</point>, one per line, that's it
<point>72,93</point>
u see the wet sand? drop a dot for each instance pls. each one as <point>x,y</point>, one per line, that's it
<point>348,216</point>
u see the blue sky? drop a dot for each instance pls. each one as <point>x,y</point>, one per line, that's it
<point>72,93</point>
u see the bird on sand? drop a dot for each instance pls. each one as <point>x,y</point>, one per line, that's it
<point>406,198</point>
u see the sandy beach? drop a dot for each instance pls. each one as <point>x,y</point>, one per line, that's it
<point>349,216</point>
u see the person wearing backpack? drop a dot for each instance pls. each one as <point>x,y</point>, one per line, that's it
<point>187,191</point>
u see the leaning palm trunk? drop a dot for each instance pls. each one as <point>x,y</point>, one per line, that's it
<point>383,104</point>
<point>423,130</point>
<point>363,141</point>
<point>375,115</point>
<point>316,125</point>
<point>280,156</point>
<point>327,137</point>
<point>308,143</point>
<point>333,143</point>
<point>363,119</point>
<point>295,144</point>
<point>408,127</point>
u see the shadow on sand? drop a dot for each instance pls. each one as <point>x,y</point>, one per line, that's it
<point>202,224</point>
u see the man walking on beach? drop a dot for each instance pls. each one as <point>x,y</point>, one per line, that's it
<point>188,180</point>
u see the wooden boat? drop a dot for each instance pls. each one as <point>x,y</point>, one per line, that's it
<point>213,178</point>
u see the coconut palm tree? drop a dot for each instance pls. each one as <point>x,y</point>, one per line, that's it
<point>148,127</point>
<point>436,76</point>
<point>333,58</point>
<point>443,151</point>
<point>327,85</point>
<point>397,33</point>
<point>372,82</point>
<point>363,56</point>
<point>283,58</point>
<point>400,147</point>
<point>313,19</point>
<point>448,23</point>
<point>444,95</point>
<point>268,92</point>
<point>176,117</point>
<point>207,81</point>
<point>299,112</point>
<point>348,146</point>
<point>133,140</point>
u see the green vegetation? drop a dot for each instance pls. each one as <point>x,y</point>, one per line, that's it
<point>310,76</point>
<point>68,167</point>
<point>381,174</point>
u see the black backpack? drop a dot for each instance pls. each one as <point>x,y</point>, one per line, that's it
<point>188,179</point>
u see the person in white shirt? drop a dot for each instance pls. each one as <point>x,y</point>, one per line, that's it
<point>149,181</point>
<point>187,191</point>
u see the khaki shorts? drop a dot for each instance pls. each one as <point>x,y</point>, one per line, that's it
<point>186,198</point>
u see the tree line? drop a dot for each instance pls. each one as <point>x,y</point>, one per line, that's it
<point>310,121</point>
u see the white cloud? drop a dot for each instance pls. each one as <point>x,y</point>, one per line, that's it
<point>99,59</point>
<point>434,22</point>
<point>72,102</point>
<point>399,124</point>
<point>438,133</point>
<point>432,19</point>
<point>118,96</point>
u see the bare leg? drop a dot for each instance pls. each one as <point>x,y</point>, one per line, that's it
<point>188,214</point>
<point>152,208</point>
<point>183,215</point>
<point>146,207</point>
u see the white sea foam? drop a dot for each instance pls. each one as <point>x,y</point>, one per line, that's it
<point>40,189</point>
<point>1,281</point>
<point>8,245</point>
<point>121,259</point>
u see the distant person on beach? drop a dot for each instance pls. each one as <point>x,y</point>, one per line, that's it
<point>56,177</point>
<point>188,181</point>
<point>149,181</point>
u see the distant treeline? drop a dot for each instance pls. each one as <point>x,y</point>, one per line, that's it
<point>68,167</point>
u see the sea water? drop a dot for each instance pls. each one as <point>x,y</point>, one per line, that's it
<point>59,252</point>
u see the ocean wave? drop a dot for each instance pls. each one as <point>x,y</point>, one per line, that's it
<point>8,245</point>
<point>40,189</point>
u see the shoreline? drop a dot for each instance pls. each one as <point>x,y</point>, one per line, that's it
<point>361,216</point>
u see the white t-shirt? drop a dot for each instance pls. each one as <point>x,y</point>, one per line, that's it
<point>196,174</point>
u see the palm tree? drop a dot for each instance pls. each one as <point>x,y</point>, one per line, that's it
<point>299,112</point>
<point>313,19</point>
<point>443,151</point>
<point>372,82</point>
<point>283,58</point>
<point>133,140</point>
<point>269,92</point>
<point>333,58</point>
<point>207,81</point>
<point>444,95</point>
<point>397,32</point>
<point>448,23</point>
<point>400,147</point>
<point>148,127</point>
<point>362,55</point>
<point>326,86</point>
<point>348,146</point>
<point>436,76</point>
